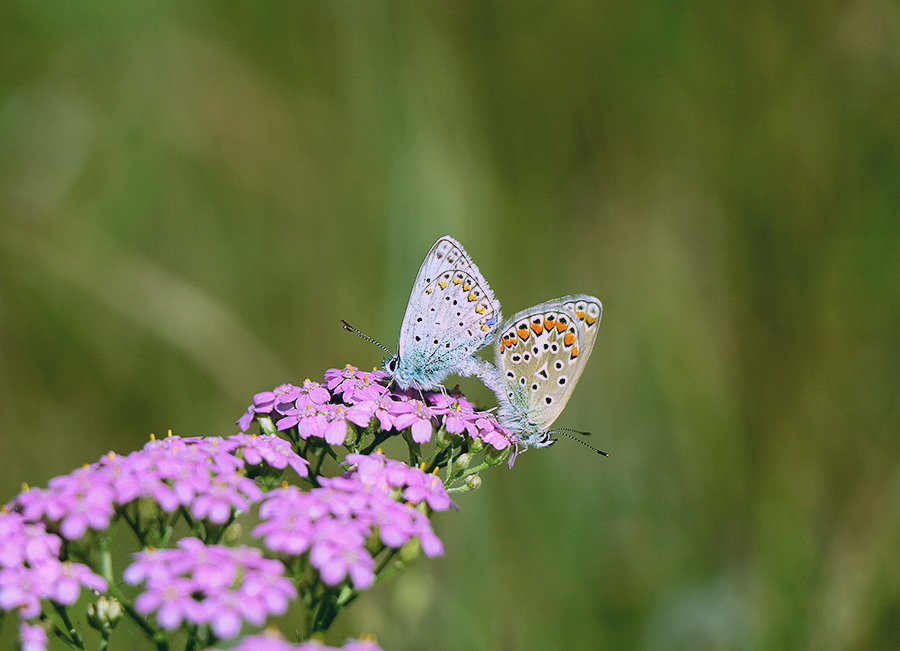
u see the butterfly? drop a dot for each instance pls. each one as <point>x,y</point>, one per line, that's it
<point>540,354</point>
<point>451,314</point>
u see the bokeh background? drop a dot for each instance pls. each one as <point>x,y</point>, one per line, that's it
<point>192,195</point>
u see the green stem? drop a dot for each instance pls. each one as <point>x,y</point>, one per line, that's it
<point>415,450</point>
<point>440,435</point>
<point>326,614</point>
<point>187,518</point>
<point>105,568</point>
<point>437,458</point>
<point>70,628</point>
<point>61,634</point>
<point>320,458</point>
<point>168,528</point>
<point>380,438</point>
<point>135,527</point>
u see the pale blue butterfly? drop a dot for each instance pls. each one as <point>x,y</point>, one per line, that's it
<point>540,355</point>
<point>451,314</point>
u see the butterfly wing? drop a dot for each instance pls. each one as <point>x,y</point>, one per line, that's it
<point>541,353</point>
<point>451,314</point>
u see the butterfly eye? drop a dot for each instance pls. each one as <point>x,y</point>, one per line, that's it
<point>392,365</point>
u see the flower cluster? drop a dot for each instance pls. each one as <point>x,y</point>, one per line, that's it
<point>335,521</point>
<point>209,584</point>
<point>375,472</point>
<point>31,569</point>
<point>272,641</point>
<point>328,541</point>
<point>207,476</point>
<point>354,397</point>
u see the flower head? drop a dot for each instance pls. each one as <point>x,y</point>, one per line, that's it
<point>31,568</point>
<point>209,584</point>
<point>334,521</point>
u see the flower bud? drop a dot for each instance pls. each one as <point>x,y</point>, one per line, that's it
<point>463,460</point>
<point>476,446</point>
<point>473,482</point>
<point>232,533</point>
<point>352,435</point>
<point>104,614</point>
<point>266,424</point>
<point>410,551</point>
<point>445,439</point>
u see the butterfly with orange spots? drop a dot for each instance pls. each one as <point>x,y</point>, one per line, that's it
<point>540,355</point>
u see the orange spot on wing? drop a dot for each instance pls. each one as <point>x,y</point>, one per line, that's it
<point>471,297</point>
<point>537,327</point>
<point>481,309</point>
<point>580,314</point>
<point>443,284</point>
<point>548,322</point>
<point>590,320</point>
<point>560,327</point>
<point>574,353</point>
<point>569,339</point>
<point>523,333</point>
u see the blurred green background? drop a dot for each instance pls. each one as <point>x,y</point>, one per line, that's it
<point>192,195</point>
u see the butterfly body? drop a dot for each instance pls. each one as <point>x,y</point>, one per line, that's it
<point>540,354</point>
<point>451,314</point>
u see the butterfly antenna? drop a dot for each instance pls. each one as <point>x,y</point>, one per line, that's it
<point>569,429</point>
<point>362,335</point>
<point>565,432</point>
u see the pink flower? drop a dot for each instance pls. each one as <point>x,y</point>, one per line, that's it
<point>417,415</point>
